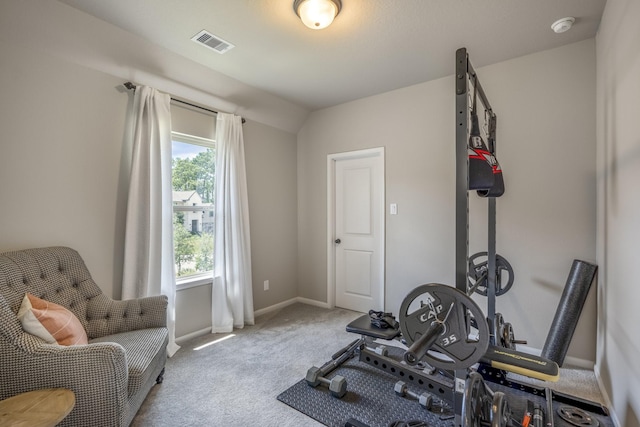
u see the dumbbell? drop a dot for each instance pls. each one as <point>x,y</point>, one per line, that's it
<point>424,399</point>
<point>337,384</point>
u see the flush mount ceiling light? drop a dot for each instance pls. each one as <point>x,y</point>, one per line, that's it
<point>317,14</point>
<point>562,25</point>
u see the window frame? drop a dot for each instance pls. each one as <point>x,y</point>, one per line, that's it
<point>203,278</point>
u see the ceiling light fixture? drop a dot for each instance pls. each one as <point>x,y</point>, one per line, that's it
<point>317,14</point>
<point>562,25</point>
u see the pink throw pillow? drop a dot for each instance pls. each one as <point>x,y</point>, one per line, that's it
<point>51,322</point>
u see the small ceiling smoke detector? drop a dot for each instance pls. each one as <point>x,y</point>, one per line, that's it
<point>562,25</point>
<point>212,42</point>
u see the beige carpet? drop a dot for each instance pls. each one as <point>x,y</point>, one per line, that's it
<point>581,383</point>
<point>235,381</point>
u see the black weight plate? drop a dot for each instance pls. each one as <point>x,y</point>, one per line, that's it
<point>498,325</point>
<point>577,417</point>
<point>478,274</point>
<point>466,335</point>
<point>476,402</point>
<point>508,336</point>
<point>500,411</point>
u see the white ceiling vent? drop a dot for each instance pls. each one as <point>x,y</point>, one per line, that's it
<point>212,42</point>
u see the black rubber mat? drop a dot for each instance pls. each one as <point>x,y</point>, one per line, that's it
<point>370,399</point>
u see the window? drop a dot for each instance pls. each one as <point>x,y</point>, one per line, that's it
<point>192,176</point>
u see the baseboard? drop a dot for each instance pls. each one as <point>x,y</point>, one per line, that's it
<point>275,307</point>
<point>192,335</point>
<point>569,361</point>
<point>605,397</point>
<point>313,302</point>
<point>289,302</point>
<point>256,313</point>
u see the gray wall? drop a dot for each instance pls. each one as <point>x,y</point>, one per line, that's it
<point>64,172</point>
<point>270,156</point>
<point>546,128</point>
<point>61,160</point>
<point>618,68</point>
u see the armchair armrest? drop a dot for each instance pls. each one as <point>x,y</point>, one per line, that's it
<point>96,373</point>
<point>106,316</point>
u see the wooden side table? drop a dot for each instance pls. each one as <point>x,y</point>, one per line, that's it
<point>39,408</point>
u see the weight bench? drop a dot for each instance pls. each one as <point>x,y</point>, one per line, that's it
<point>389,358</point>
<point>496,357</point>
<point>362,326</point>
<point>447,332</point>
<point>442,333</point>
<point>378,355</point>
<point>477,394</point>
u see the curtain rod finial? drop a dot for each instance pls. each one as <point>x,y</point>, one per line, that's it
<point>129,85</point>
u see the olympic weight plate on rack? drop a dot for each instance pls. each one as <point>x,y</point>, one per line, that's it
<point>466,334</point>
<point>478,279</point>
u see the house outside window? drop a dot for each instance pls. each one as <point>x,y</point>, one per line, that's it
<point>193,176</point>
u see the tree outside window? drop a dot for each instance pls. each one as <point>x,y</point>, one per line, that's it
<point>193,179</point>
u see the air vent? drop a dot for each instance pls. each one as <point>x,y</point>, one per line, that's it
<point>212,42</point>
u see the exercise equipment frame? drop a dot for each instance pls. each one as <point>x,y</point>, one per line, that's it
<point>465,72</point>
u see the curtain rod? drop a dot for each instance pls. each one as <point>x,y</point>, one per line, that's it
<point>131,86</point>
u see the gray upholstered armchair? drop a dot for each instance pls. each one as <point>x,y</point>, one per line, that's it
<point>110,376</point>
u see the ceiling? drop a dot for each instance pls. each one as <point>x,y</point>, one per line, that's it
<point>372,47</point>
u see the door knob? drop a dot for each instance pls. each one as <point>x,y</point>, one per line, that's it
<point>337,241</point>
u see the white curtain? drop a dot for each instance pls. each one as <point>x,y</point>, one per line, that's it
<point>148,252</point>
<point>232,295</point>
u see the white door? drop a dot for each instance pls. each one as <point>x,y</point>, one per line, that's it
<point>358,229</point>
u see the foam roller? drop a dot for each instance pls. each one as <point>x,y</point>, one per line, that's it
<point>568,312</point>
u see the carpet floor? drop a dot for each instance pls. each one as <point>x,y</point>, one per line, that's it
<point>234,379</point>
